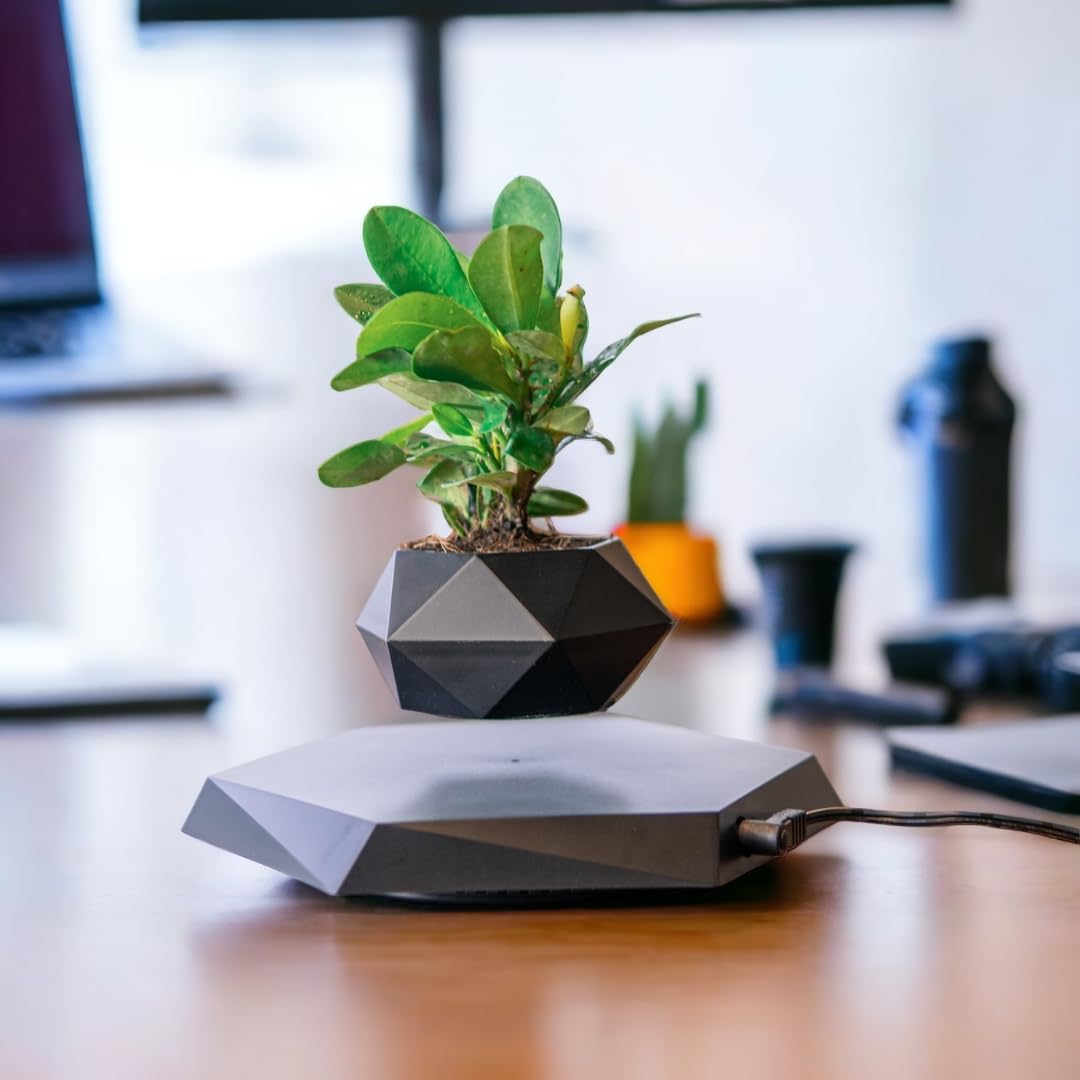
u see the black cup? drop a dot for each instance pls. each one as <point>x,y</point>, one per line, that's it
<point>801,583</point>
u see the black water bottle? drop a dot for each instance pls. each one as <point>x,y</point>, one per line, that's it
<point>961,419</point>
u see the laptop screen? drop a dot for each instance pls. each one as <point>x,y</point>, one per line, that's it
<point>46,241</point>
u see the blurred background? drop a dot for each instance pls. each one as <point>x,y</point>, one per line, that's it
<point>832,189</point>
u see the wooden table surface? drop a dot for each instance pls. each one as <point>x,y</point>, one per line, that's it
<point>129,950</point>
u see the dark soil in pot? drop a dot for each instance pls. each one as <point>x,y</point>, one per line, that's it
<point>497,540</point>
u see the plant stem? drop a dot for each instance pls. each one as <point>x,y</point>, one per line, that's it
<point>523,489</point>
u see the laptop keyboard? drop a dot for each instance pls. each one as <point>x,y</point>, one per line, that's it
<point>85,354</point>
<point>51,332</point>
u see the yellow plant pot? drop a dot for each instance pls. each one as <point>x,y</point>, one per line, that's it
<point>682,566</point>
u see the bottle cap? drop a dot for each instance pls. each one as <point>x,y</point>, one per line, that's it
<point>962,358</point>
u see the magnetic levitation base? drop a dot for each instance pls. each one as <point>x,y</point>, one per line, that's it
<point>506,806</point>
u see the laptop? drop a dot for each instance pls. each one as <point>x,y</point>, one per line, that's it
<point>59,340</point>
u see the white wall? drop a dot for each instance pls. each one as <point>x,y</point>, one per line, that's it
<point>832,190</point>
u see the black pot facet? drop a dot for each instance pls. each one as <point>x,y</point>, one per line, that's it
<point>528,633</point>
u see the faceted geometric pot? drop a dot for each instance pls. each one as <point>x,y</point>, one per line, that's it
<point>523,633</point>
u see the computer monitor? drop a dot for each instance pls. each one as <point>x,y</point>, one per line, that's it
<point>429,17</point>
<point>170,10</point>
<point>46,238</point>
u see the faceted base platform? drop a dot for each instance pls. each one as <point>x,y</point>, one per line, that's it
<point>481,807</point>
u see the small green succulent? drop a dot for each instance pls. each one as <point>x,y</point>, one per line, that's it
<point>489,351</point>
<point>658,476</point>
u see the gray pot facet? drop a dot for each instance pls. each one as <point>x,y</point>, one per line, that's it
<point>525,633</point>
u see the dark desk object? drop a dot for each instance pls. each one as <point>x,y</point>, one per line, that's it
<point>800,585</point>
<point>1061,675</point>
<point>138,695</point>
<point>1010,660</point>
<point>429,18</point>
<point>811,692</point>
<point>1033,761</point>
<point>960,420</point>
<point>926,656</point>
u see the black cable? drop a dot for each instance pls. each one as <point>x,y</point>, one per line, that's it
<point>787,829</point>
<point>929,819</point>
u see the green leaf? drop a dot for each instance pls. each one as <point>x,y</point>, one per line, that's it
<point>361,464</point>
<point>444,484</point>
<point>362,301</point>
<point>551,502</point>
<point>412,255</point>
<point>609,355</point>
<point>547,314</point>
<point>669,446</point>
<point>406,321</point>
<point>401,435</point>
<point>427,449</point>
<point>486,417</point>
<point>535,449</point>
<point>525,201</point>
<point>701,406</point>
<point>641,476</point>
<point>658,478</point>
<point>545,378</point>
<point>423,394</point>
<point>501,481</point>
<point>457,521</point>
<point>545,364</point>
<point>466,357</point>
<point>452,420</point>
<point>537,345</point>
<point>590,436</point>
<point>567,420</point>
<point>507,274</point>
<point>369,369</point>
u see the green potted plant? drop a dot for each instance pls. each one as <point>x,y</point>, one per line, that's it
<point>500,618</point>
<point>681,564</point>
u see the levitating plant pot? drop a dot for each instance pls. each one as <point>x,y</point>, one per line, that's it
<point>549,632</point>
<point>681,565</point>
<point>501,618</point>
